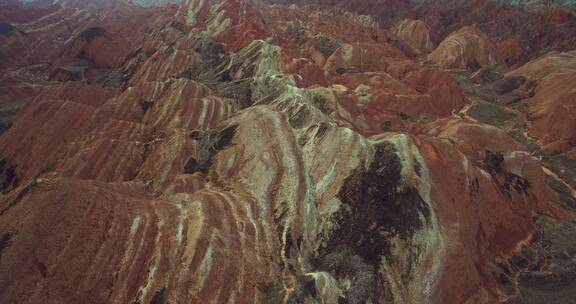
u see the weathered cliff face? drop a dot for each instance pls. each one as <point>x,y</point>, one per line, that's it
<point>227,152</point>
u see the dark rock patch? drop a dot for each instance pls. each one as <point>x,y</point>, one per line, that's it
<point>299,117</point>
<point>493,161</point>
<point>403,46</point>
<point>42,269</point>
<point>75,71</point>
<point>344,263</point>
<point>146,105</point>
<point>545,269</point>
<point>5,126</point>
<point>7,29</point>
<point>211,55</point>
<point>507,181</point>
<point>486,92</point>
<point>564,194</point>
<point>159,297</point>
<point>224,138</point>
<point>508,84</point>
<point>321,103</point>
<point>210,142</point>
<point>490,114</point>
<point>8,177</point>
<point>325,44</point>
<point>373,195</point>
<point>5,242</point>
<point>192,166</point>
<point>114,78</point>
<point>322,129</point>
<point>473,65</point>
<point>274,293</point>
<point>374,210</point>
<point>485,76</point>
<point>403,116</point>
<point>562,165</point>
<point>21,195</point>
<point>518,133</point>
<point>91,33</point>
<point>387,126</point>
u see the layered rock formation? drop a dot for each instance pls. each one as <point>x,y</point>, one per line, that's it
<point>228,152</point>
<point>550,27</point>
<point>468,48</point>
<point>416,33</point>
<point>552,104</point>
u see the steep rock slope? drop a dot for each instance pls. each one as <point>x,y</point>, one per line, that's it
<point>261,154</point>
<point>552,104</point>
<point>511,51</point>
<point>416,33</point>
<point>466,48</point>
<point>550,27</point>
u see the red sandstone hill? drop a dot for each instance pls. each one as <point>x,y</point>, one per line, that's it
<point>223,151</point>
<point>416,33</point>
<point>552,105</point>
<point>538,30</point>
<point>468,48</point>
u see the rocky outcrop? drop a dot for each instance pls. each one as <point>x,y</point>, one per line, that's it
<point>551,109</point>
<point>551,26</point>
<point>360,58</point>
<point>468,48</point>
<point>551,104</point>
<point>544,66</point>
<point>511,51</point>
<point>416,33</point>
<point>97,46</point>
<point>236,164</point>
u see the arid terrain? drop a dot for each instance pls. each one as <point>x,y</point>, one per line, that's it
<point>318,151</point>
